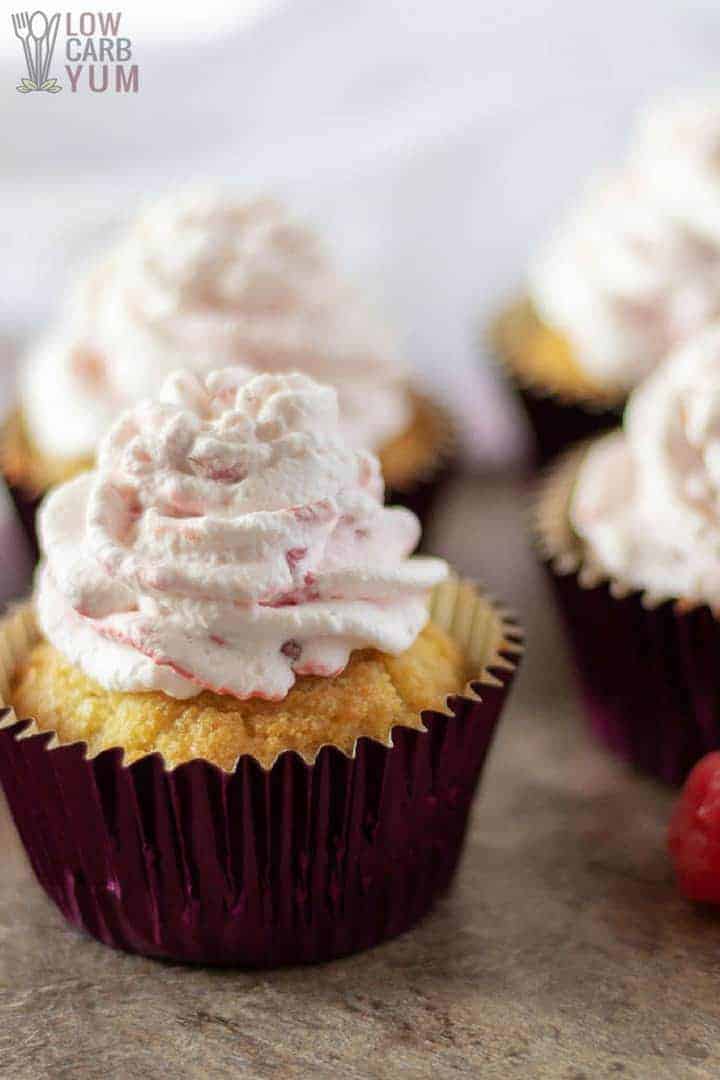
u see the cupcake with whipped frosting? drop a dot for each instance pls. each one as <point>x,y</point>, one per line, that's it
<point>630,525</point>
<point>632,273</point>
<point>246,724</point>
<point>204,281</point>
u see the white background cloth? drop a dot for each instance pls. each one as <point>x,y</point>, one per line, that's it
<point>434,142</point>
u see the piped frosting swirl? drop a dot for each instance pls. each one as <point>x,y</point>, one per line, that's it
<point>635,269</point>
<point>203,281</point>
<point>647,499</point>
<point>230,540</point>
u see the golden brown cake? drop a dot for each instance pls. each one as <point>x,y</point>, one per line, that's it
<point>418,451</point>
<point>227,583</point>
<point>541,359</point>
<point>373,694</point>
<point>27,467</point>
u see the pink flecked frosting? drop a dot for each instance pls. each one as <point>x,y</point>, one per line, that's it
<point>229,539</point>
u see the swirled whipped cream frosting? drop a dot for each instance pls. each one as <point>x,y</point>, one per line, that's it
<point>203,281</point>
<point>229,539</point>
<point>634,271</point>
<point>647,499</point>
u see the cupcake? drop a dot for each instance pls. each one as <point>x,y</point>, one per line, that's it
<point>631,274</point>
<point>202,281</point>
<point>630,527</point>
<point>242,724</point>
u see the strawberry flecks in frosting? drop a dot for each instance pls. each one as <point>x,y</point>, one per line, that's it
<point>303,595</point>
<point>203,281</point>
<point>635,270</point>
<point>164,571</point>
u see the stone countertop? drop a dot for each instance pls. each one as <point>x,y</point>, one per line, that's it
<point>563,950</point>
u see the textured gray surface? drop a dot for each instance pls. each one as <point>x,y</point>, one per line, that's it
<point>563,950</point>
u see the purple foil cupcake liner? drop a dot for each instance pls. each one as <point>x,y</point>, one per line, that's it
<point>16,564</point>
<point>26,506</point>
<point>298,863</point>
<point>556,424</point>
<point>649,675</point>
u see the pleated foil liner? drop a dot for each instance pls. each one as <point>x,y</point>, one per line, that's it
<point>422,490</point>
<point>649,667</point>
<point>301,862</point>
<point>557,421</point>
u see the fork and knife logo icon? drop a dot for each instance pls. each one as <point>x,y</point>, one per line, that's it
<point>37,34</point>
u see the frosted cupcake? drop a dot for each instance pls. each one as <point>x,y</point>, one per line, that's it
<point>248,724</point>
<point>631,274</point>
<point>630,525</point>
<point>203,281</point>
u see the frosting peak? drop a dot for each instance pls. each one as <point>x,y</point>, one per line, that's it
<point>678,150</point>
<point>647,500</point>
<point>229,540</point>
<point>635,270</point>
<point>203,281</point>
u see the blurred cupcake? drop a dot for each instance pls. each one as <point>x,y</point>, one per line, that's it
<point>239,736</point>
<point>631,274</point>
<point>203,281</point>
<point>630,526</point>
<point>45,441</point>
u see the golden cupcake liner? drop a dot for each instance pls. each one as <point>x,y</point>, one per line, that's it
<point>648,664</point>
<point>302,861</point>
<point>559,416</point>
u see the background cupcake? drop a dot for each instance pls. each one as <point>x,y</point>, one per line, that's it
<point>227,590</point>
<point>203,281</point>
<point>633,272</point>
<point>630,526</point>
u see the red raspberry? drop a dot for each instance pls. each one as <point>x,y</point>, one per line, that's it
<point>694,833</point>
